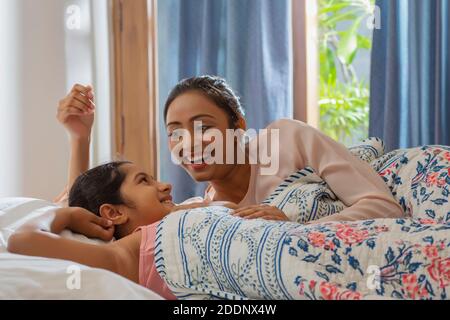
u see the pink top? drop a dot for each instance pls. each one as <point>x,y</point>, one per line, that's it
<point>148,275</point>
<point>353,181</point>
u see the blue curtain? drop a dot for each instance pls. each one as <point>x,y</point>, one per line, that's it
<point>410,85</point>
<point>248,42</point>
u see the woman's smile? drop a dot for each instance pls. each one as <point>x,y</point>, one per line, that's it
<point>198,167</point>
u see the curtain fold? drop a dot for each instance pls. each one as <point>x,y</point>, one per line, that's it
<point>248,42</point>
<point>410,87</point>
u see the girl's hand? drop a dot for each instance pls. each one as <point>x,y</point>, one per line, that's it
<point>261,212</point>
<point>92,226</point>
<point>76,111</point>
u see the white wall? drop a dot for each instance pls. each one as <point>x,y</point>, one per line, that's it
<point>9,99</point>
<point>34,147</point>
<point>35,72</point>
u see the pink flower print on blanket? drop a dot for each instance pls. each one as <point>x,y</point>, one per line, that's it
<point>351,235</point>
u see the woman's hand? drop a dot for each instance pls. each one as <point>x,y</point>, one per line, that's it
<point>205,203</point>
<point>228,204</point>
<point>189,206</point>
<point>85,222</point>
<point>76,111</point>
<point>261,212</point>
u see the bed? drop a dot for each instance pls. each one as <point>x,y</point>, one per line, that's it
<point>205,253</point>
<point>33,278</point>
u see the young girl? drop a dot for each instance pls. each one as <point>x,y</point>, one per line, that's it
<point>128,204</point>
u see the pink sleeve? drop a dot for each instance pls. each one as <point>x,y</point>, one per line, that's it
<point>353,181</point>
<point>148,275</point>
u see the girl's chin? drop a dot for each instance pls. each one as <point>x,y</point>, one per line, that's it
<point>168,204</point>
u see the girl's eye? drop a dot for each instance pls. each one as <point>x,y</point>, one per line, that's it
<point>144,180</point>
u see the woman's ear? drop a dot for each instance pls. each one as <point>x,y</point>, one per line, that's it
<point>112,213</point>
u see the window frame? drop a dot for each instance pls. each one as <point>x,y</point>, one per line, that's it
<point>306,64</point>
<point>135,73</point>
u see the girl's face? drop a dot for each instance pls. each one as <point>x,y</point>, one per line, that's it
<point>150,200</point>
<point>182,113</point>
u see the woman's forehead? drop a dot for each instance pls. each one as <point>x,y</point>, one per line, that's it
<point>191,105</point>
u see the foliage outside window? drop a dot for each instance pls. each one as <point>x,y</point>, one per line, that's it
<point>344,95</point>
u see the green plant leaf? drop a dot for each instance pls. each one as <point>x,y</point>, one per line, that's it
<point>364,42</point>
<point>343,101</point>
<point>348,44</point>
<point>340,17</point>
<point>328,66</point>
<point>332,8</point>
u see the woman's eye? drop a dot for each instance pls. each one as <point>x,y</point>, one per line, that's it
<point>174,135</point>
<point>204,128</point>
<point>144,180</point>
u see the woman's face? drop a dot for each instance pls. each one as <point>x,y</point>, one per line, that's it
<point>150,200</point>
<point>193,107</point>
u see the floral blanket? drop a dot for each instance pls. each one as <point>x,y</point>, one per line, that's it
<point>206,253</point>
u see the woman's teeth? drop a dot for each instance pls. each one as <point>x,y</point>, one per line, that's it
<point>197,159</point>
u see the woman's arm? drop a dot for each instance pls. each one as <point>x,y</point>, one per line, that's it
<point>353,181</point>
<point>39,238</point>
<point>76,114</point>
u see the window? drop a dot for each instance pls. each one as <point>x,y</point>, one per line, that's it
<point>345,41</point>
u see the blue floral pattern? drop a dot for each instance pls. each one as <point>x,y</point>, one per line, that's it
<point>219,256</point>
<point>419,179</point>
<point>206,253</point>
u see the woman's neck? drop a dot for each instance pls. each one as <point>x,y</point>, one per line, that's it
<point>234,186</point>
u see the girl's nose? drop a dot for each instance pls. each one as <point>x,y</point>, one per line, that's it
<point>165,187</point>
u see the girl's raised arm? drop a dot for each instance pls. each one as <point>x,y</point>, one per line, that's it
<point>76,114</point>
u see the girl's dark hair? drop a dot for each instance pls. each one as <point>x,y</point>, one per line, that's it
<point>98,186</point>
<point>214,88</point>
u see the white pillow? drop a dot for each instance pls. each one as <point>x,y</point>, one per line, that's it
<point>23,277</point>
<point>14,212</point>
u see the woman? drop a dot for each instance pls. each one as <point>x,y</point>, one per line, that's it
<point>211,101</point>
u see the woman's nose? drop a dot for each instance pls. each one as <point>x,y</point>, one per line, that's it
<point>191,143</point>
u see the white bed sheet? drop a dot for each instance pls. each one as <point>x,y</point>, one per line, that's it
<point>24,277</point>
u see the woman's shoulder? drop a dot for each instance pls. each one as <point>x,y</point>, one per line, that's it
<point>289,124</point>
<point>289,128</point>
